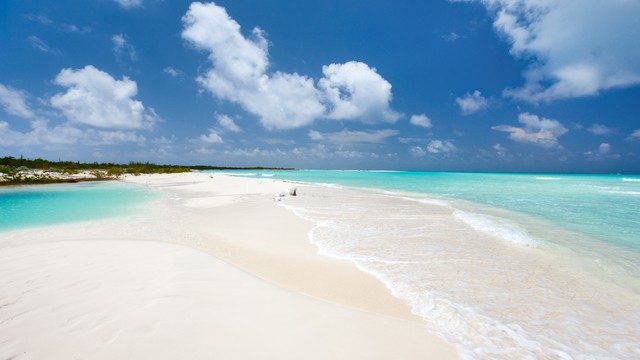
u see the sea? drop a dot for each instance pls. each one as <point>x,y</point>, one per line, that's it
<point>31,206</point>
<point>504,265</point>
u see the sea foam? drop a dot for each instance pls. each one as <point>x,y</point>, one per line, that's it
<point>499,228</point>
<point>457,267</point>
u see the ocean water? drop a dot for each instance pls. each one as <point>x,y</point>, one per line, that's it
<point>509,266</point>
<point>41,205</point>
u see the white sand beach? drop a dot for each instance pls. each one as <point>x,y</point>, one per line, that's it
<point>215,269</point>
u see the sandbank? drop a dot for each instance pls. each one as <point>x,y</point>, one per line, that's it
<point>212,269</point>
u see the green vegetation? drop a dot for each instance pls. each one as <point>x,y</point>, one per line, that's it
<point>40,171</point>
<point>19,171</point>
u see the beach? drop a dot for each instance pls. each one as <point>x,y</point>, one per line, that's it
<point>218,267</point>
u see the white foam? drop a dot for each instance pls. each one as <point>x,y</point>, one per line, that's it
<point>547,178</point>
<point>631,179</point>
<point>621,192</point>
<point>266,175</point>
<point>434,202</point>
<point>236,174</point>
<point>496,227</point>
<point>494,299</point>
<point>428,201</point>
<point>384,171</point>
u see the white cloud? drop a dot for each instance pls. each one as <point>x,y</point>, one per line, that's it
<point>578,47</point>
<point>14,102</point>
<point>421,120</point>
<point>417,151</point>
<point>500,150</point>
<point>96,99</point>
<point>354,90</point>
<point>635,135</point>
<point>350,137</point>
<point>604,151</point>
<point>281,100</point>
<point>163,141</point>
<point>93,98</point>
<point>227,123</point>
<point>440,146</point>
<point>409,140</point>
<point>129,4</point>
<point>276,141</point>
<point>69,28</point>
<point>118,42</point>
<point>239,70</point>
<point>171,72</point>
<point>471,103</point>
<point>433,147</point>
<point>598,129</point>
<point>451,37</point>
<point>122,46</point>
<point>540,131</point>
<point>212,137</point>
<point>39,44</point>
<point>42,19</point>
<point>64,134</point>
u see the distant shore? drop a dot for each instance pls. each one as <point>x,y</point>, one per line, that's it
<point>39,171</point>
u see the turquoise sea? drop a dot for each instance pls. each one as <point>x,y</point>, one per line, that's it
<point>504,265</point>
<point>508,266</point>
<point>40,205</point>
<point>604,206</point>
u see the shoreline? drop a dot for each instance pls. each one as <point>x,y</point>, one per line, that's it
<point>239,225</point>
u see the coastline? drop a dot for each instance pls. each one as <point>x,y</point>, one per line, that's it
<point>266,269</point>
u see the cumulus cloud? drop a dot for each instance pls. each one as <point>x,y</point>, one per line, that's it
<point>440,146</point>
<point>41,134</point>
<point>540,131</point>
<point>227,123</point>
<point>14,102</point>
<point>99,110</point>
<point>95,98</point>
<point>598,129</point>
<point>351,137</point>
<point>433,147</point>
<point>421,120</point>
<point>471,103</point>
<point>575,47</point>
<point>635,135</point>
<point>239,74</point>
<point>604,151</point>
<point>212,137</point>
<point>354,90</point>
<point>129,4</point>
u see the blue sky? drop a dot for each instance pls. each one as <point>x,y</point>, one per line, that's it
<point>471,85</point>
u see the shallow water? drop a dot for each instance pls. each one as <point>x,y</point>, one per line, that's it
<point>40,205</point>
<point>504,265</point>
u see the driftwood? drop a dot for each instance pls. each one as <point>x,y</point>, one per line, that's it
<point>293,192</point>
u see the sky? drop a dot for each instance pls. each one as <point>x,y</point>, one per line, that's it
<point>442,85</point>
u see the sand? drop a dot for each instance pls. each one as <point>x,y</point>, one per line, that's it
<point>214,269</point>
